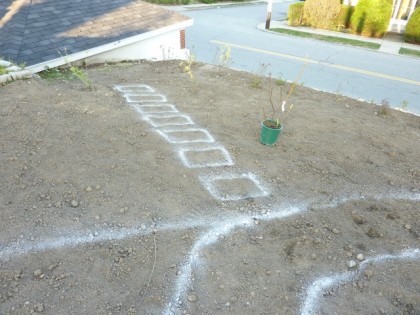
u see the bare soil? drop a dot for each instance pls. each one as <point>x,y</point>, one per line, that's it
<point>99,213</point>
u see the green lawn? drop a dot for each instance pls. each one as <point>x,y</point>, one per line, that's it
<point>326,38</point>
<point>409,52</point>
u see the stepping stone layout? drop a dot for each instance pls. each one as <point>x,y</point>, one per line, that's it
<point>196,147</point>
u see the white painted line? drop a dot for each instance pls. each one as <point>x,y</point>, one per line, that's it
<point>168,120</point>
<point>133,88</point>
<point>148,109</point>
<point>252,187</point>
<point>220,225</point>
<point>188,135</point>
<point>204,157</point>
<point>144,98</point>
<point>315,290</point>
<point>218,229</point>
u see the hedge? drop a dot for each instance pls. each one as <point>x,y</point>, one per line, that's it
<point>321,13</point>
<point>342,21</point>
<point>412,30</point>
<point>295,14</point>
<point>371,17</point>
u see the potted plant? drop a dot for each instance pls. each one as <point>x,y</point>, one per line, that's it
<point>272,125</point>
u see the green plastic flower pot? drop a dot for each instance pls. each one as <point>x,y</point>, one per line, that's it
<point>269,135</point>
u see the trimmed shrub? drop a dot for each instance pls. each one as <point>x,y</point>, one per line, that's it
<point>412,30</point>
<point>371,17</point>
<point>321,13</point>
<point>295,14</point>
<point>342,21</point>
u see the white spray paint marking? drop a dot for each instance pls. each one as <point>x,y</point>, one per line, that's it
<point>145,98</point>
<point>187,135</point>
<point>315,290</point>
<point>145,110</point>
<point>72,240</point>
<point>220,226</point>
<point>133,88</point>
<point>214,184</point>
<point>222,159</point>
<point>168,120</point>
<point>183,282</point>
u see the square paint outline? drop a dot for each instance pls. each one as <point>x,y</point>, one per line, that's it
<point>149,119</point>
<point>129,98</point>
<point>208,183</point>
<point>225,153</point>
<point>140,109</point>
<point>123,88</point>
<point>165,134</point>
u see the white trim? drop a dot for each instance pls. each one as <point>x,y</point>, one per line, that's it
<point>107,47</point>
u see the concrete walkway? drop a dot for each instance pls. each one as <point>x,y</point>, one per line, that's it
<point>391,43</point>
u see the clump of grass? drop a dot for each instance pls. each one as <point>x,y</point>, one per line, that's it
<point>256,83</point>
<point>186,65</point>
<point>385,109</point>
<point>55,74</point>
<point>3,70</point>
<point>82,76</point>
<point>331,39</point>
<point>409,52</point>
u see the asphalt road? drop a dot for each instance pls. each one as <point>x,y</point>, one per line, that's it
<point>356,72</point>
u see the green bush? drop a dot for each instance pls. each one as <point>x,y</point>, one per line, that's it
<point>321,13</point>
<point>371,17</point>
<point>342,21</point>
<point>412,31</point>
<point>295,14</point>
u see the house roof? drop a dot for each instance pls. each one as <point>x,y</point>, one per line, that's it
<point>34,31</point>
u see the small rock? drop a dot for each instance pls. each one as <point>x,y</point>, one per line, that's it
<point>192,298</point>
<point>89,189</point>
<point>358,219</point>
<point>368,273</point>
<point>12,68</point>
<point>40,308</point>
<point>74,203</point>
<point>37,273</point>
<point>407,227</point>
<point>360,257</point>
<point>313,256</point>
<point>351,264</point>
<point>335,231</point>
<point>4,63</point>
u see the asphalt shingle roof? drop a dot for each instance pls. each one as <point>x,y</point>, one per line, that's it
<point>33,31</point>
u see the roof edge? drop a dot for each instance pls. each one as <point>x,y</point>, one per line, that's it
<point>107,47</point>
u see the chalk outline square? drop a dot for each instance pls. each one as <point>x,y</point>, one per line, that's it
<point>209,183</point>
<point>166,134</point>
<point>228,160</point>
<point>140,109</point>
<point>149,119</point>
<point>148,98</point>
<point>125,88</point>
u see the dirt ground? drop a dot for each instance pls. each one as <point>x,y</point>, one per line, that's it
<point>103,213</point>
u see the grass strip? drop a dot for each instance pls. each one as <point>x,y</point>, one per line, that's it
<point>409,52</point>
<point>326,38</point>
